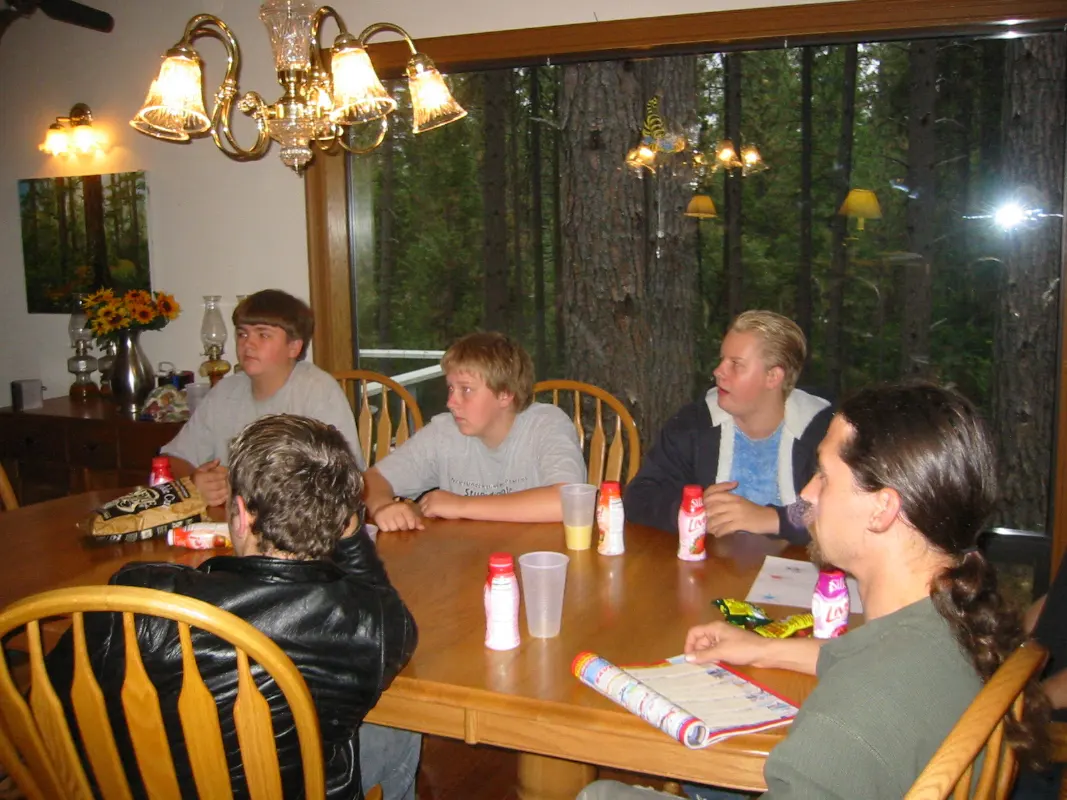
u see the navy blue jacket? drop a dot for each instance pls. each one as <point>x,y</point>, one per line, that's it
<point>688,450</point>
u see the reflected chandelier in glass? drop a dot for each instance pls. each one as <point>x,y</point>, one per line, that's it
<point>320,103</point>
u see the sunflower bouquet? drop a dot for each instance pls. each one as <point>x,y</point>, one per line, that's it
<point>137,310</point>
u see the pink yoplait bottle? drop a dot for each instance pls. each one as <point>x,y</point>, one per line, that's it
<point>830,604</point>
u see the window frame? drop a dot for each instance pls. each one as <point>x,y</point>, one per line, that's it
<point>775,26</point>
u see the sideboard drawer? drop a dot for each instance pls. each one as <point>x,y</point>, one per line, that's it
<point>68,446</point>
<point>139,442</point>
<point>36,439</point>
<point>93,445</point>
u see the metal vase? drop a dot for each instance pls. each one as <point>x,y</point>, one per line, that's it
<point>132,376</point>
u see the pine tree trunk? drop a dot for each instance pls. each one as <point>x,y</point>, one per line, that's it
<point>557,220</point>
<point>921,219</point>
<point>115,208</point>
<point>385,261</point>
<point>96,244</point>
<point>72,216</point>
<point>1026,330</point>
<point>735,277</point>
<point>804,277</point>
<point>140,264</point>
<point>537,225</point>
<point>836,335</point>
<point>624,307</point>
<point>63,232</point>
<point>494,194</point>
<point>517,293</point>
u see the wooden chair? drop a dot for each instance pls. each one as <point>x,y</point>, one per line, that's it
<point>981,727</point>
<point>38,750</point>
<point>599,469</point>
<point>384,439</point>
<point>7,493</point>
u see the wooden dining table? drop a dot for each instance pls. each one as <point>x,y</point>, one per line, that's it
<point>632,608</point>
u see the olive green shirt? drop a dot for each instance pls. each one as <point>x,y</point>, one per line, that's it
<point>889,692</point>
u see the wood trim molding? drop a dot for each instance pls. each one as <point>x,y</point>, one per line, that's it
<point>749,28</point>
<point>325,190</point>
<point>1058,484</point>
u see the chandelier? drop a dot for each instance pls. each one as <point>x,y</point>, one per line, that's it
<point>726,157</point>
<point>320,103</point>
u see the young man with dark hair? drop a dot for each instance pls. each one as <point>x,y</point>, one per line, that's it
<point>496,455</point>
<point>750,442</point>
<point>905,482</point>
<point>274,330</point>
<point>305,573</point>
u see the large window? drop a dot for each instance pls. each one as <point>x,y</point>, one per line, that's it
<point>525,218</point>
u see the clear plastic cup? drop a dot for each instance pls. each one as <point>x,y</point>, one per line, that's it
<point>579,509</point>
<point>544,577</point>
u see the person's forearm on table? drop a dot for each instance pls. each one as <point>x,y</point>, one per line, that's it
<point>530,505</point>
<point>798,655</point>
<point>377,491</point>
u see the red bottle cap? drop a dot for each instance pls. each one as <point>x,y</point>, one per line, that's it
<point>160,462</point>
<point>611,488</point>
<point>501,563</point>
<point>692,491</point>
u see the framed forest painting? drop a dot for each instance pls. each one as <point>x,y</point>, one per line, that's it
<point>81,233</point>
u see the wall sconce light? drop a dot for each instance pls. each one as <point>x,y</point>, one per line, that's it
<point>861,204</point>
<point>72,134</point>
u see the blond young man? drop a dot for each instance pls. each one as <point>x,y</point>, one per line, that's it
<point>274,330</point>
<point>750,442</point>
<point>495,455</point>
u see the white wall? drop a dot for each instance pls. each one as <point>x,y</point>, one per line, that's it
<point>215,226</point>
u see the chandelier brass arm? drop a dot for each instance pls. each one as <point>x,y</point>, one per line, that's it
<point>320,101</point>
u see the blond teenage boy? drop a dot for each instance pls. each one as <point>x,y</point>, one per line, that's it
<point>495,455</point>
<point>273,333</point>
<point>750,442</point>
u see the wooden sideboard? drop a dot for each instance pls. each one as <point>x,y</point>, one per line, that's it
<point>68,447</point>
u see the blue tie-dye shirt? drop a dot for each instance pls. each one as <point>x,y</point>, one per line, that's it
<point>755,467</point>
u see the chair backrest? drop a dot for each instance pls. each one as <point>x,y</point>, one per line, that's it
<point>7,494</point>
<point>950,771</point>
<point>377,438</point>
<point>39,752</point>
<point>587,398</point>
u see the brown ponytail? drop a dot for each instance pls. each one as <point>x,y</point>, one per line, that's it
<point>988,631</point>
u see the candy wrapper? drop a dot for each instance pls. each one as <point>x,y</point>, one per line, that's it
<point>742,614</point>
<point>795,625</point>
<point>146,512</point>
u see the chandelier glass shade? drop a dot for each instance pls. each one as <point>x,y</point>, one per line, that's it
<point>321,97</point>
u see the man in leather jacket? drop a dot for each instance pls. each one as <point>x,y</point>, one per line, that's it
<point>306,574</point>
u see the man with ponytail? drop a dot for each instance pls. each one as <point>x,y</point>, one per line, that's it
<point>904,484</point>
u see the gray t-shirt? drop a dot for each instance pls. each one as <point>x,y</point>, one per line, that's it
<point>541,449</point>
<point>230,406</point>
<point>889,692</point>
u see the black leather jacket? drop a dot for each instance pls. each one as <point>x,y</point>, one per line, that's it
<point>341,622</point>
